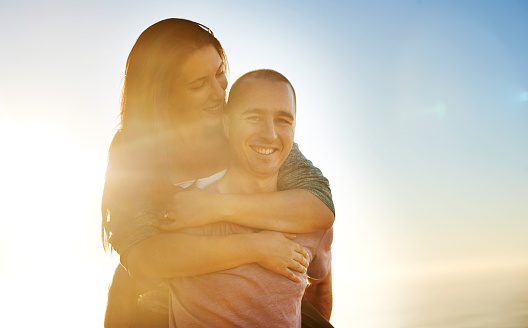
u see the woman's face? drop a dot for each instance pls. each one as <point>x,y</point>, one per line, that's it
<point>198,91</point>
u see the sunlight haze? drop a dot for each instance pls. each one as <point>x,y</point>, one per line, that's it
<point>416,111</point>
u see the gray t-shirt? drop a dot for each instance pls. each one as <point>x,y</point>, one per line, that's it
<point>248,295</point>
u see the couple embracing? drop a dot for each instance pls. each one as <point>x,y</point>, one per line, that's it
<point>235,250</point>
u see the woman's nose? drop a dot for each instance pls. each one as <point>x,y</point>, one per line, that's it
<point>219,88</point>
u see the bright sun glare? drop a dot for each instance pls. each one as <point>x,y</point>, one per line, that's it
<point>50,192</point>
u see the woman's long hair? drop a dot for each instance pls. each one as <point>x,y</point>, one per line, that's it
<point>138,172</point>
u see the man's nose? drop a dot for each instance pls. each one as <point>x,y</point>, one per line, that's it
<point>268,130</point>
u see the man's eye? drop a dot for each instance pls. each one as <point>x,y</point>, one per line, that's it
<point>283,121</point>
<point>253,118</point>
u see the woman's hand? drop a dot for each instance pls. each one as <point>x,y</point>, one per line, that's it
<point>278,253</point>
<point>190,207</point>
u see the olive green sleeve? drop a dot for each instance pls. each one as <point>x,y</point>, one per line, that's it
<point>297,172</point>
<point>140,226</point>
<point>128,216</point>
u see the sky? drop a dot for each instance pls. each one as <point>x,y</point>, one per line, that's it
<point>416,111</point>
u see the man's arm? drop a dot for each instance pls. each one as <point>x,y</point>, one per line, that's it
<point>319,294</point>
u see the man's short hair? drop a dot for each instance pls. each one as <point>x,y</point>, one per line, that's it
<point>261,73</point>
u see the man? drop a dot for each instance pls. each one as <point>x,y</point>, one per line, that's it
<point>259,122</point>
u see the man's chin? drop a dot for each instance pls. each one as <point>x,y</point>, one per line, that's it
<point>267,171</point>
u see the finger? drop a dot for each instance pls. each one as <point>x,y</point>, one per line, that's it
<point>289,235</point>
<point>296,266</point>
<point>290,275</point>
<point>303,252</point>
<point>301,260</point>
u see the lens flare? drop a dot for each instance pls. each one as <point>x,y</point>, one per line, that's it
<point>523,97</point>
<point>438,110</point>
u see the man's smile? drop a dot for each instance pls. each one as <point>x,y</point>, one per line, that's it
<point>264,150</point>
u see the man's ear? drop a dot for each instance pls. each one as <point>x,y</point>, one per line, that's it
<point>225,123</point>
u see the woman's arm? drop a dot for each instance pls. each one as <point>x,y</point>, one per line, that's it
<point>304,204</point>
<point>123,293</point>
<point>295,211</point>
<point>148,253</point>
<point>195,254</point>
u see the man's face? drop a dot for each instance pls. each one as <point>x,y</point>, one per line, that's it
<point>260,126</point>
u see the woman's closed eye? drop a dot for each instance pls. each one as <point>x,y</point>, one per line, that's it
<point>197,85</point>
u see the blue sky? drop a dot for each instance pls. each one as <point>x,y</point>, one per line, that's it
<point>417,112</point>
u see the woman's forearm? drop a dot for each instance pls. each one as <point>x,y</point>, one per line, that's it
<point>121,307</point>
<point>295,211</point>
<point>190,254</point>
<point>177,254</point>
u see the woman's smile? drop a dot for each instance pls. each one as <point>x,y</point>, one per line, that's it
<point>215,109</point>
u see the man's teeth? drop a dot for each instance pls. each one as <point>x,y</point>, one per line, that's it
<point>264,151</point>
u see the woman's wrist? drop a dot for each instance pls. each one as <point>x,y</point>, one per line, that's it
<point>223,207</point>
<point>253,246</point>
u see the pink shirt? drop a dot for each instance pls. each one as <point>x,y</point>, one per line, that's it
<point>248,295</point>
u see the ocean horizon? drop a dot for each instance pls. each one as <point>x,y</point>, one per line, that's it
<point>477,298</point>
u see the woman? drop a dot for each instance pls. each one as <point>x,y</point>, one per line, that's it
<point>170,132</point>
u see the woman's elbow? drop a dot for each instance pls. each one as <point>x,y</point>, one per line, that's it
<point>327,219</point>
<point>139,263</point>
<point>321,216</point>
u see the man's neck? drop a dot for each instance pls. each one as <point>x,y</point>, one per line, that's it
<point>240,181</point>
